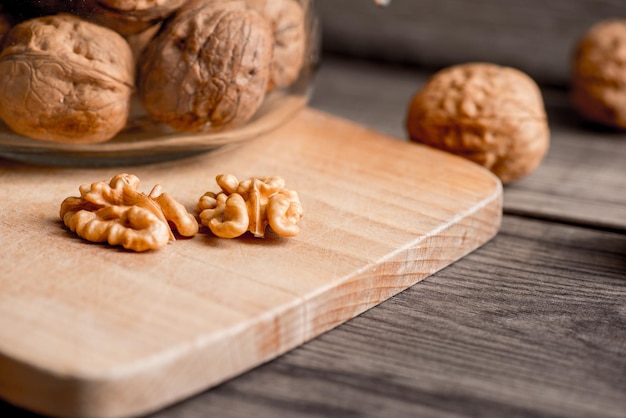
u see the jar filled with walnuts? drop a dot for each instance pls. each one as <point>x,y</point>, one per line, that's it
<point>92,82</point>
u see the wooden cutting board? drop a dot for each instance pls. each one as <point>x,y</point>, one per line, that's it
<point>91,330</point>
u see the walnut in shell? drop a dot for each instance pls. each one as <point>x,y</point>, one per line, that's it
<point>288,25</point>
<point>599,74</point>
<point>208,67</point>
<point>66,80</point>
<point>127,17</point>
<point>489,114</point>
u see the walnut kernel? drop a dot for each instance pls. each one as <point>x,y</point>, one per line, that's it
<point>250,205</point>
<point>117,213</point>
<point>489,114</point>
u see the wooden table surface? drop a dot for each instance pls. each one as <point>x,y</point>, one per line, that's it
<point>533,324</point>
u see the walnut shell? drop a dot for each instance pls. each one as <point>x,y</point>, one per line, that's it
<point>208,67</point>
<point>139,41</point>
<point>599,74</point>
<point>288,25</point>
<point>127,17</point>
<point>66,80</point>
<point>489,114</point>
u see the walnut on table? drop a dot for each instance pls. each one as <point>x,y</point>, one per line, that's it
<point>489,114</point>
<point>251,205</point>
<point>66,80</point>
<point>117,213</point>
<point>599,74</point>
<point>211,64</point>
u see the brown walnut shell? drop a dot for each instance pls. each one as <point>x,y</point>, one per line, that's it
<point>208,67</point>
<point>288,25</point>
<point>489,114</point>
<point>128,17</point>
<point>599,74</point>
<point>58,84</point>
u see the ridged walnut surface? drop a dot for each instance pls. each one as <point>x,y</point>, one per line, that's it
<point>63,79</point>
<point>211,64</point>
<point>490,114</point>
<point>599,74</point>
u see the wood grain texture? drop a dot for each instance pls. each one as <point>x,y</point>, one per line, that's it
<point>531,325</point>
<point>582,179</point>
<point>535,36</point>
<point>88,330</point>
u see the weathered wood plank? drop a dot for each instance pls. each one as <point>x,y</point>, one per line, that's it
<point>582,180</point>
<point>531,325</point>
<point>534,35</point>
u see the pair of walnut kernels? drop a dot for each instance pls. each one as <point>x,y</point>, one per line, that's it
<point>116,212</point>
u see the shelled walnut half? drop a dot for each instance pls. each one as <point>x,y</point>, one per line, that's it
<point>251,205</point>
<point>117,213</point>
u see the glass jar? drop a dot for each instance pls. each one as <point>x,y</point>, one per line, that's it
<point>145,139</point>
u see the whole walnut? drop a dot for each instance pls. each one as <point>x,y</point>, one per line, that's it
<point>490,114</point>
<point>66,80</point>
<point>208,67</point>
<point>127,17</point>
<point>599,74</point>
<point>288,24</point>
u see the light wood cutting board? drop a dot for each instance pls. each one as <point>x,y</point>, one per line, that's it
<point>92,330</point>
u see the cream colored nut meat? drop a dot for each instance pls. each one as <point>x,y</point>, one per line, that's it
<point>251,205</point>
<point>208,67</point>
<point>288,25</point>
<point>489,114</point>
<point>599,74</point>
<point>66,80</point>
<point>127,17</point>
<point>117,213</point>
